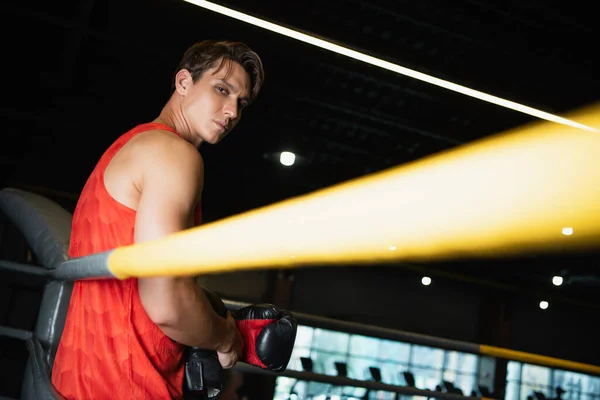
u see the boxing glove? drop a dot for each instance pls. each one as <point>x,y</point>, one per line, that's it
<point>268,333</point>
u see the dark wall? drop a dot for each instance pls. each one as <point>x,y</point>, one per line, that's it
<point>561,331</point>
<point>395,298</point>
<point>389,297</point>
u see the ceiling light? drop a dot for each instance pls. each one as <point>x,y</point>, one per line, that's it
<point>543,305</point>
<point>557,280</point>
<point>287,158</point>
<point>426,281</point>
<point>386,65</point>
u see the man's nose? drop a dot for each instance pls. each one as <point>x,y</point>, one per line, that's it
<point>231,109</point>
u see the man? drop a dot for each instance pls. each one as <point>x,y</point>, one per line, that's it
<point>125,339</point>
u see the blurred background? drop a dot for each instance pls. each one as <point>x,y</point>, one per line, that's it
<point>79,73</point>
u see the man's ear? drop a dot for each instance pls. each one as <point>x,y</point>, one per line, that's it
<point>183,81</point>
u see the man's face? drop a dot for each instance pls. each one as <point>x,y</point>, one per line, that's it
<point>213,105</point>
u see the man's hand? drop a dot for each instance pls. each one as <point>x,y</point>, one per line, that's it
<point>232,347</point>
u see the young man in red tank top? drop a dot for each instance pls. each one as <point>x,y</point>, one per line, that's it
<point>124,339</point>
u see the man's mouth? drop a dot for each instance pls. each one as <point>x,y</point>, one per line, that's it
<point>221,126</point>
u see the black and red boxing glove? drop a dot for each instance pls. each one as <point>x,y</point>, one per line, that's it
<point>269,334</point>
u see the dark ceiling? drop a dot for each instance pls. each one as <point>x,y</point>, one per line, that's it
<point>80,73</point>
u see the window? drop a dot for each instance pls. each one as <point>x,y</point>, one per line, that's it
<point>391,371</point>
<point>426,378</point>
<point>513,371</point>
<point>364,346</point>
<point>461,369</point>
<point>302,345</point>
<point>283,388</point>
<point>330,341</point>
<point>512,391</point>
<point>427,357</point>
<point>428,365</point>
<point>358,368</point>
<point>577,385</point>
<point>325,361</point>
<point>390,357</point>
<point>395,351</point>
<point>304,336</point>
<point>461,362</point>
<point>295,363</point>
<point>513,380</point>
<point>535,378</point>
<point>465,382</point>
<point>328,347</point>
<point>523,379</point>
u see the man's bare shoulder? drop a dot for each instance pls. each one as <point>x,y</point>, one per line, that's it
<point>160,148</point>
<point>157,162</point>
<point>164,162</point>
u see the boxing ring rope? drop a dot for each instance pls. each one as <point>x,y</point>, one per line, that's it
<point>443,343</point>
<point>509,194</point>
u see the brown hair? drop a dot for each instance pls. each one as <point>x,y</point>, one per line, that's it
<point>204,55</point>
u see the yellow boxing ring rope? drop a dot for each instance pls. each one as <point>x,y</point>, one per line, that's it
<point>508,194</point>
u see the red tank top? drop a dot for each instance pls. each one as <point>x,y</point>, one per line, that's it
<point>110,349</point>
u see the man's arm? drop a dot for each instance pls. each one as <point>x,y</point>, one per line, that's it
<point>170,185</point>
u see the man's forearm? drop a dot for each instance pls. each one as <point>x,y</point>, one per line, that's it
<point>181,310</point>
